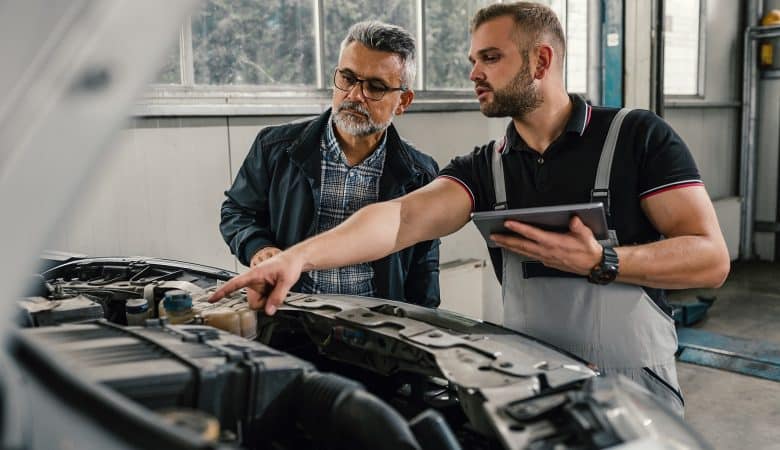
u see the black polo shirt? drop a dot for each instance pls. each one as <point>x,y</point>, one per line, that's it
<point>649,158</point>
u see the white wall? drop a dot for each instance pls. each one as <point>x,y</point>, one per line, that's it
<point>157,193</point>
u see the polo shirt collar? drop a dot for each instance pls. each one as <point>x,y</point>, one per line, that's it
<point>580,115</point>
<point>578,122</point>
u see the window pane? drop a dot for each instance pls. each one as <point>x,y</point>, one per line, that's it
<point>681,47</point>
<point>342,14</point>
<point>170,73</point>
<point>577,46</point>
<point>447,42</point>
<point>255,42</point>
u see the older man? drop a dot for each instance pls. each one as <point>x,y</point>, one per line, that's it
<point>603,301</point>
<point>304,178</point>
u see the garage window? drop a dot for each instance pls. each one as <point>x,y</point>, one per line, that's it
<point>245,52</point>
<point>683,47</point>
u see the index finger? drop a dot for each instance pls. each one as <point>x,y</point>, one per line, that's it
<point>231,286</point>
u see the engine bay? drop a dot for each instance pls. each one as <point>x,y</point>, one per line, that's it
<point>325,372</point>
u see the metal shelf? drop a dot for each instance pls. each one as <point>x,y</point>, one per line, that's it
<point>748,158</point>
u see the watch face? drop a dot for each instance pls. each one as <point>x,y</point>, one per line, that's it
<point>607,270</point>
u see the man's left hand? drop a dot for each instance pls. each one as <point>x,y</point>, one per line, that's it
<point>576,251</point>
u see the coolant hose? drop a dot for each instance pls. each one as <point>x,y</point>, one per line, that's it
<point>341,414</point>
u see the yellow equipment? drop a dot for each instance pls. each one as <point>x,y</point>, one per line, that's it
<point>767,53</point>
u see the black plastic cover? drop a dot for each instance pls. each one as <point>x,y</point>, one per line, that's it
<point>162,366</point>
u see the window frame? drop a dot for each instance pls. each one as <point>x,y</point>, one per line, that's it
<point>702,55</point>
<point>190,99</point>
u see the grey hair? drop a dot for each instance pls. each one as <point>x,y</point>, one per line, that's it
<point>384,37</point>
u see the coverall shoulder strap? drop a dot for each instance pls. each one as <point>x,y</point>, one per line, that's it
<point>600,192</point>
<point>499,185</point>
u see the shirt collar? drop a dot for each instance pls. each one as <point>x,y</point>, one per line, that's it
<point>333,150</point>
<point>578,122</point>
<point>580,115</point>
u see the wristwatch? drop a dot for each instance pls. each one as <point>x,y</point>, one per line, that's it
<point>605,271</point>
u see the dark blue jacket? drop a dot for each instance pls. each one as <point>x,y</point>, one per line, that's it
<point>275,196</point>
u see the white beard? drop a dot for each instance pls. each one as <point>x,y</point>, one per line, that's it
<point>356,125</point>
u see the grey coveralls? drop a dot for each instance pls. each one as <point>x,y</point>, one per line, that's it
<point>618,326</point>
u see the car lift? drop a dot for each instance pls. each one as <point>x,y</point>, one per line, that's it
<point>687,314</point>
<point>746,356</point>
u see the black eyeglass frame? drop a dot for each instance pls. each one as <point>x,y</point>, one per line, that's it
<point>362,90</point>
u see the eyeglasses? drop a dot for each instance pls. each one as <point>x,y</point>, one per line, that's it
<point>371,89</point>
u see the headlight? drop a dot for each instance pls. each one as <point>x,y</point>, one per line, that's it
<point>637,417</point>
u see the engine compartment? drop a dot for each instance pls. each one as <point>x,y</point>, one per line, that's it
<point>325,372</point>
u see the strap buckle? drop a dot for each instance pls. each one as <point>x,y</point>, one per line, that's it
<point>601,195</point>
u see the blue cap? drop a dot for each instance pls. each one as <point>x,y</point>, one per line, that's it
<point>177,300</point>
<point>136,306</point>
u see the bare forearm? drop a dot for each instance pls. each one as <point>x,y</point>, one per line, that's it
<point>377,230</point>
<point>675,263</point>
<point>367,235</point>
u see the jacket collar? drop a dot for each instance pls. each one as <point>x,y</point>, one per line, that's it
<point>399,168</point>
<point>305,151</point>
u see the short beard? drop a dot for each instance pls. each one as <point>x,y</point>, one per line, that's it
<point>518,98</point>
<point>358,126</point>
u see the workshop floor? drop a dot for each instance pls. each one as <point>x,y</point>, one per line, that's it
<point>730,410</point>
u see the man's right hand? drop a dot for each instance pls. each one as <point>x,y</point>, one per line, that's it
<point>267,283</point>
<point>263,254</point>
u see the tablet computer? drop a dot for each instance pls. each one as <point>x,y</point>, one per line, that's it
<point>550,218</point>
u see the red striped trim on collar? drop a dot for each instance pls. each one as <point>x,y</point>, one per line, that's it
<point>585,122</point>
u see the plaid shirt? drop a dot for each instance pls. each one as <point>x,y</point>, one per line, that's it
<point>344,190</point>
